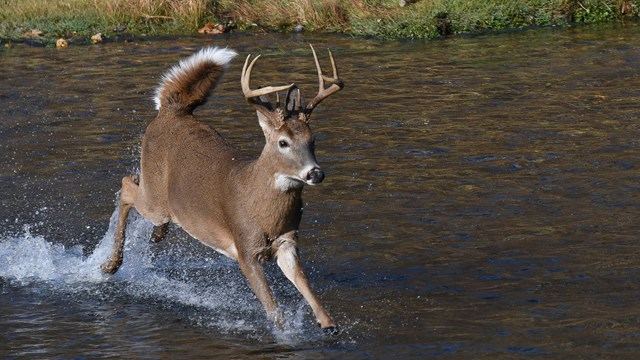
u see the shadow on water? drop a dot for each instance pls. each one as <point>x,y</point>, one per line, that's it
<point>481,201</point>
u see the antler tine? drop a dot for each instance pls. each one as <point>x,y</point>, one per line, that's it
<point>323,93</point>
<point>334,68</point>
<point>245,79</point>
<point>320,75</point>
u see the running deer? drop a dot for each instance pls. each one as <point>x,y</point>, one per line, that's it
<point>247,209</point>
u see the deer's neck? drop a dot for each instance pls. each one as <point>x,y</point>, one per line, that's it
<point>267,177</point>
<point>276,210</point>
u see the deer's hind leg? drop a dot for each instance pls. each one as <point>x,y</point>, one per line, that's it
<point>128,195</point>
<point>159,232</point>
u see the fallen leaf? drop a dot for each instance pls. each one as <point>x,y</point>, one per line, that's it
<point>33,33</point>
<point>212,29</point>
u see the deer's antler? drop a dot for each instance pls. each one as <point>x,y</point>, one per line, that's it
<point>253,96</point>
<point>323,93</point>
<point>245,78</point>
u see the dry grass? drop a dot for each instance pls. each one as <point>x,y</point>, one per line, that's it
<point>29,9</point>
<point>188,12</point>
<point>313,14</point>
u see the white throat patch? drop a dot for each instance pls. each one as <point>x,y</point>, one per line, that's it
<point>284,182</point>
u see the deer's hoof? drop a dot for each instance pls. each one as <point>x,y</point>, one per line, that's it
<point>331,330</point>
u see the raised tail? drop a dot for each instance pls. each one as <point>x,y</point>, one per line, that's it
<point>187,85</point>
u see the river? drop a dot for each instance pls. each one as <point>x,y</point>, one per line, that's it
<point>481,201</point>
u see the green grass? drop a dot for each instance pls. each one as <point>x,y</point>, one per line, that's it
<point>428,19</point>
<point>77,20</point>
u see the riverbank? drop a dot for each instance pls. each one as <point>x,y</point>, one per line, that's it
<point>76,21</point>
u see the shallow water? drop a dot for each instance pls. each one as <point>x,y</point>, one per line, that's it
<point>481,201</point>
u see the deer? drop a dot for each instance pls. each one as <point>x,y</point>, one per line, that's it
<point>246,208</point>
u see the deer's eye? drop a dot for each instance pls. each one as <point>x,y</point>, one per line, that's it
<point>283,144</point>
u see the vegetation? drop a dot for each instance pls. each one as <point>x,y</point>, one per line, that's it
<point>44,21</point>
<point>47,20</point>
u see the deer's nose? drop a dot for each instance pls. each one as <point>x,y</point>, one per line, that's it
<point>315,176</point>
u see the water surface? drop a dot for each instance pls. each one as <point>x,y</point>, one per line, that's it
<point>481,201</point>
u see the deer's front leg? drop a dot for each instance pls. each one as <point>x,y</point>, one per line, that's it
<point>252,269</point>
<point>287,255</point>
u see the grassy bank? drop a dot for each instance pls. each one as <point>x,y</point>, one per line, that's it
<point>44,21</point>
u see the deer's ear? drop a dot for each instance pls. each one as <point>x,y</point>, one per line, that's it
<point>294,100</point>
<point>267,115</point>
<point>265,122</point>
<point>270,120</point>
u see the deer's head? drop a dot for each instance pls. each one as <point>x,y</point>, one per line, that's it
<point>290,143</point>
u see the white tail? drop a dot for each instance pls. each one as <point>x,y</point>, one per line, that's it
<point>248,209</point>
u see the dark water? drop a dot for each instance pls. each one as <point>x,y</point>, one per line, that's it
<point>482,201</point>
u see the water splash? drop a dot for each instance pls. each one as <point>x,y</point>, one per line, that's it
<point>208,290</point>
<point>29,258</point>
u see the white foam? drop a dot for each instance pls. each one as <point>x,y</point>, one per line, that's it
<point>213,288</point>
<point>30,258</point>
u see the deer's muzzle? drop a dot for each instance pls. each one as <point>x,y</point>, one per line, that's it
<point>315,176</point>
